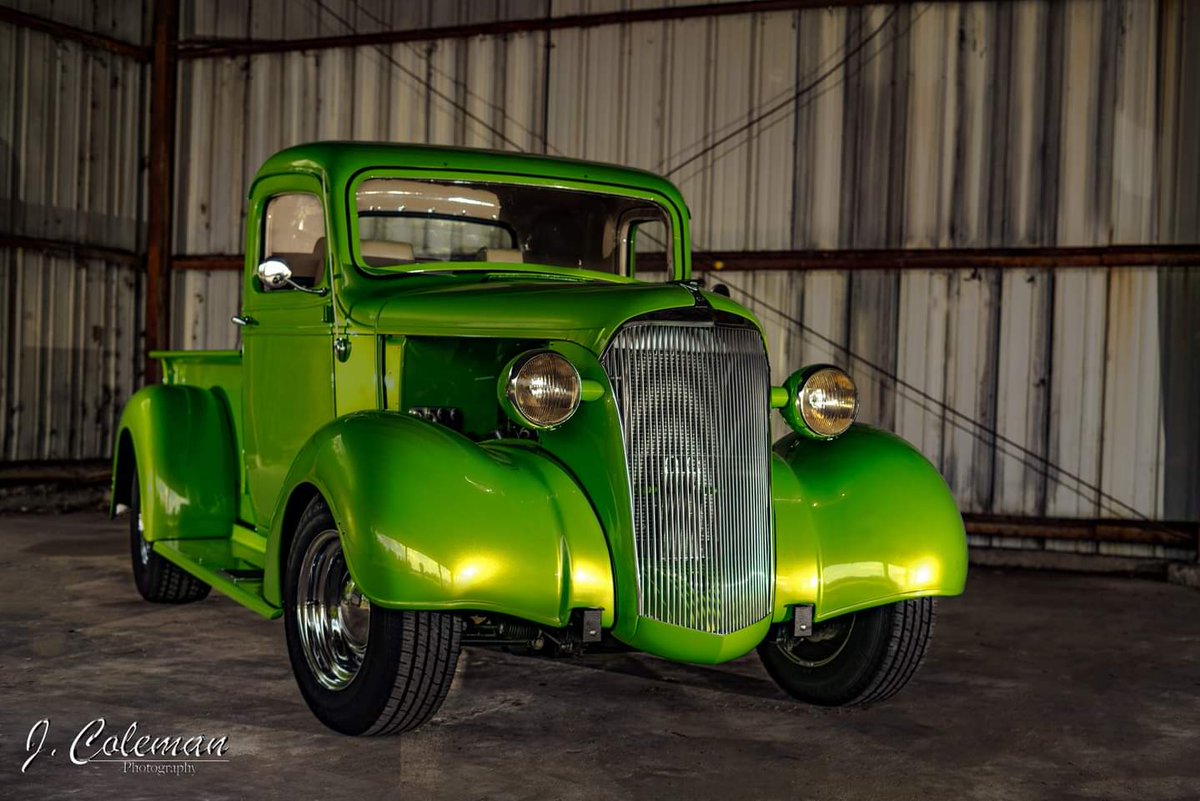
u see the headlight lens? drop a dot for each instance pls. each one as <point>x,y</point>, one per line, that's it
<point>828,402</point>
<point>824,401</point>
<point>543,389</point>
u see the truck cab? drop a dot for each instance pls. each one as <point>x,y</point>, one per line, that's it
<point>480,399</point>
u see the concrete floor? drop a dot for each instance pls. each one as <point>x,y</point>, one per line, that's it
<point>1039,685</point>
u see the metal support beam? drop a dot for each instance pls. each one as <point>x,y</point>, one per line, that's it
<point>159,190</point>
<point>896,259</point>
<point>1173,533</point>
<point>951,258</point>
<point>212,262</point>
<point>59,30</point>
<point>229,47</point>
<point>72,250</point>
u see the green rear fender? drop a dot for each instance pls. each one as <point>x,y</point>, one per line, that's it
<point>431,520</point>
<point>860,521</point>
<point>182,442</point>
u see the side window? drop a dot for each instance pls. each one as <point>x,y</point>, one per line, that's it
<point>649,254</point>
<point>294,232</point>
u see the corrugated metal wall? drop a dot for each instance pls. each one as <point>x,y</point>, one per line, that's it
<point>71,169</point>
<point>925,125</point>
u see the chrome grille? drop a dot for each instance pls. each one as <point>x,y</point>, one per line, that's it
<point>693,402</point>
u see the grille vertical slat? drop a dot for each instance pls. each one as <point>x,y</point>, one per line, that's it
<point>693,400</point>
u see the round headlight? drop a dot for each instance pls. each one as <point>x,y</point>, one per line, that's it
<point>824,401</point>
<point>543,389</point>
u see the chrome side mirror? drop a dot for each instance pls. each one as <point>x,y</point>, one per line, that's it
<point>274,274</point>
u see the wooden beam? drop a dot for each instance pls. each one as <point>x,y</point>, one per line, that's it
<point>159,193</point>
<point>59,30</point>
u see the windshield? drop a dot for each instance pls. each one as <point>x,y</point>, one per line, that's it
<point>406,222</point>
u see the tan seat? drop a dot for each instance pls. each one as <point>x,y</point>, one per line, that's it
<point>501,255</point>
<point>381,252</point>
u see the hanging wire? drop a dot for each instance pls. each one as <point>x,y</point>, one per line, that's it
<point>423,82</point>
<point>494,106</point>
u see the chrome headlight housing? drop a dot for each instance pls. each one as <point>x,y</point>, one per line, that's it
<point>540,389</point>
<point>822,401</point>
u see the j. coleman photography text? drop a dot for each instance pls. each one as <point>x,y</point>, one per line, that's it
<point>129,749</point>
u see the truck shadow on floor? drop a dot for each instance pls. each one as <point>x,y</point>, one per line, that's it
<point>698,676</point>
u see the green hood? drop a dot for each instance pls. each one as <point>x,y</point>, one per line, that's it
<point>517,307</point>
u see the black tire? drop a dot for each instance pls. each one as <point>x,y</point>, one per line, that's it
<point>157,579</point>
<point>856,659</point>
<point>405,671</point>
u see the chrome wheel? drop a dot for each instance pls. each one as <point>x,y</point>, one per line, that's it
<point>333,616</point>
<point>827,642</point>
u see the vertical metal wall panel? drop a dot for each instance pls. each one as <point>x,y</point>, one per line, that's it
<point>1135,112</point>
<point>817,222</point>
<point>209,188</point>
<point>920,360</point>
<point>932,106</point>
<point>1178,87</point>
<point>968,457</point>
<point>1077,386</point>
<point>70,144</point>
<point>1133,433</point>
<point>1079,222</point>
<point>1023,390</point>
<point>72,354</point>
<point>826,297</point>
<point>203,301</point>
<point>1178,300</point>
<point>71,169</point>
<point>654,95</point>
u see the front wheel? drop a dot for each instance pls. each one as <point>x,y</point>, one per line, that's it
<point>362,669</point>
<point>855,659</point>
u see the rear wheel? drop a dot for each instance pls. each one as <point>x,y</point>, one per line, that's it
<point>855,659</point>
<point>362,669</point>
<point>157,579</point>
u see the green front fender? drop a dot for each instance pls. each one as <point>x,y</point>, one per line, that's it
<point>431,520</point>
<point>860,521</point>
<point>181,439</point>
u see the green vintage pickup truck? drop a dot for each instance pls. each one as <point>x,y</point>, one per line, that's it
<point>462,415</point>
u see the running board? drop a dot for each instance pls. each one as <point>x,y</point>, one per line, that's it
<point>213,562</point>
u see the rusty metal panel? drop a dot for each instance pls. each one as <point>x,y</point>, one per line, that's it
<point>1130,465</point>
<point>236,112</point>
<point>71,148</point>
<point>654,95</point>
<point>71,356</point>
<point>1080,315</point>
<point>1022,391</point>
<point>204,301</point>
<point>920,360</point>
<point>126,20</point>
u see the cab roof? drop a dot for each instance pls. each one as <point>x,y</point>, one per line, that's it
<point>339,162</point>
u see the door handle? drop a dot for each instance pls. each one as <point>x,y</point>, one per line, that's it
<point>247,320</point>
